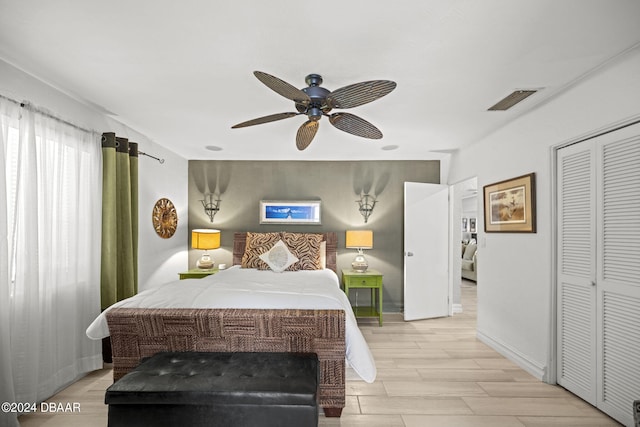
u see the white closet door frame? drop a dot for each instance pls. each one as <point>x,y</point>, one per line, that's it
<point>616,151</point>
<point>551,375</point>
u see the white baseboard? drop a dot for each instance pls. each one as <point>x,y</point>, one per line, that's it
<point>531,366</point>
<point>456,308</point>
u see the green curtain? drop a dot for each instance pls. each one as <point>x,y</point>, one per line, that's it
<point>119,272</point>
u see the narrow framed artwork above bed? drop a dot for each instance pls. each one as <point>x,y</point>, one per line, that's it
<point>281,294</point>
<point>290,212</point>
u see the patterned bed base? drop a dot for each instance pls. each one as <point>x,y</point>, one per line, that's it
<point>137,333</point>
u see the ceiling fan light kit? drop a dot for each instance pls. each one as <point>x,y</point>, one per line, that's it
<point>315,101</point>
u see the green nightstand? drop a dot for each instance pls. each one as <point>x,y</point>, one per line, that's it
<point>197,273</point>
<point>370,279</point>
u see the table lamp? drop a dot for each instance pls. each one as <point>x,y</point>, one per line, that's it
<point>359,239</point>
<point>205,239</point>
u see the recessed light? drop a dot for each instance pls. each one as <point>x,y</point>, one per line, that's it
<point>390,147</point>
<point>213,148</point>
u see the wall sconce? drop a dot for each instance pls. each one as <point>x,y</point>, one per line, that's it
<point>365,205</point>
<point>359,239</point>
<point>205,239</point>
<point>211,205</point>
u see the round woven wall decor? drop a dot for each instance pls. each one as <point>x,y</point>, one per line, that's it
<point>165,218</point>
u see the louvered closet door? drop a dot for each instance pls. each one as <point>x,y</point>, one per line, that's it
<point>599,271</point>
<point>576,297</point>
<point>618,272</point>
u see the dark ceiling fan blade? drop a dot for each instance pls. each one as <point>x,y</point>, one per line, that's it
<point>305,135</point>
<point>283,88</point>
<point>355,125</point>
<point>359,93</point>
<point>265,119</point>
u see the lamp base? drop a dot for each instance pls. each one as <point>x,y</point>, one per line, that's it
<point>359,264</point>
<point>205,262</point>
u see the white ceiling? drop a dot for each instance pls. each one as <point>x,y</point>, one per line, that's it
<point>180,72</point>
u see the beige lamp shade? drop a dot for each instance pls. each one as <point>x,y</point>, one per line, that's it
<point>205,239</point>
<point>359,239</point>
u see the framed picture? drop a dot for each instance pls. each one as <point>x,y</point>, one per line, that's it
<point>473,225</point>
<point>465,225</point>
<point>290,212</point>
<point>510,206</point>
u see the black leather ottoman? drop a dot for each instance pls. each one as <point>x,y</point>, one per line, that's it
<point>217,389</point>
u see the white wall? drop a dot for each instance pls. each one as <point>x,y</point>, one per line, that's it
<point>515,281</point>
<point>159,259</point>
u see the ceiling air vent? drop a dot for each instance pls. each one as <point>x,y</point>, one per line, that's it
<point>511,100</point>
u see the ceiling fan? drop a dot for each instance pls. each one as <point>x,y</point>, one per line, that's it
<point>315,101</point>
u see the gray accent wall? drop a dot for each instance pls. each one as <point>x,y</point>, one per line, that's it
<point>337,184</point>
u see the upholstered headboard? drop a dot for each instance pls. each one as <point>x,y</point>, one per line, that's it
<point>331,239</point>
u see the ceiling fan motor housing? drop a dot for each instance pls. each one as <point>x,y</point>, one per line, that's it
<point>318,96</point>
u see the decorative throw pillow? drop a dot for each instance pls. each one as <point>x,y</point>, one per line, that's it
<point>257,244</point>
<point>306,247</point>
<point>278,258</point>
<point>469,251</point>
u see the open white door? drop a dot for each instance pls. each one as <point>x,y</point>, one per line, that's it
<point>426,246</point>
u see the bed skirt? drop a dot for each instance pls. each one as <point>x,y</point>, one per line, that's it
<point>142,332</point>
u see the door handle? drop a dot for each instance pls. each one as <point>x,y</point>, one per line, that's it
<point>409,253</point>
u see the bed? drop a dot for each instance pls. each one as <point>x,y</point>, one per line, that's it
<point>248,309</point>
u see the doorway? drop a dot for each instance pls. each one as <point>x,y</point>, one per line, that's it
<point>464,239</point>
<point>433,274</point>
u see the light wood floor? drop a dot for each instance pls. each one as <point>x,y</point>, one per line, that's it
<point>430,373</point>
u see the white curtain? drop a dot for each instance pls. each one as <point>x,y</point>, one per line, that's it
<point>50,214</point>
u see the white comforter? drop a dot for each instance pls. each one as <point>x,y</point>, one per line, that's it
<point>249,288</point>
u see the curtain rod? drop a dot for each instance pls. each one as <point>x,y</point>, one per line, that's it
<point>25,104</point>
<point>161,161</point>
